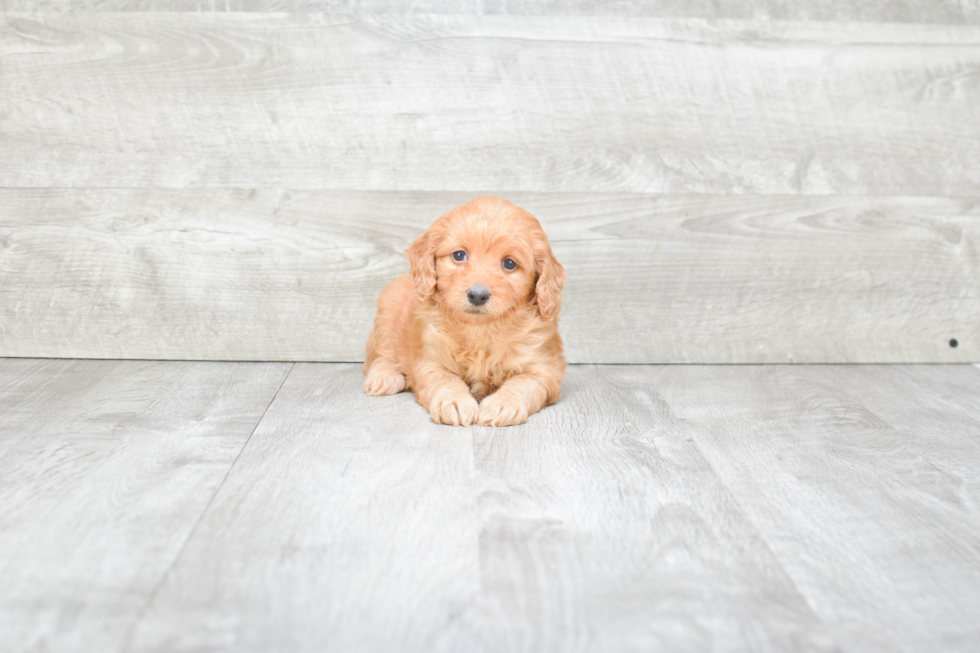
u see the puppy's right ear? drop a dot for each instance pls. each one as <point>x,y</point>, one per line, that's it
<point>422,259</point>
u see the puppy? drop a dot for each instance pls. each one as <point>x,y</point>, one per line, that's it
<point>473,329</point>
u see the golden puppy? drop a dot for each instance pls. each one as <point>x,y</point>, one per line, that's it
<point>473,329</point>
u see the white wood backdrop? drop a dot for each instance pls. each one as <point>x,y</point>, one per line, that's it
<point>922,11</point>
<point>273,274</point>
<point>208,185</point>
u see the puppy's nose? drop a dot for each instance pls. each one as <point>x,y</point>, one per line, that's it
<point>478,295</point>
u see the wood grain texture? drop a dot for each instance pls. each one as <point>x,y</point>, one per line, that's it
<point>353,523</point>
<point>505,103</point>
<point>105,468</point>
<point>948,403</point>
<point>903,11</point>
<point>293,275</point>
<point>605,529</point>
<point>347,524</point>
<point>740,508</point>
<point>858,494</point>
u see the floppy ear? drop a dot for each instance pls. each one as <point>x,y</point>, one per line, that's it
<point>421,258</point>
<point>551,280</point>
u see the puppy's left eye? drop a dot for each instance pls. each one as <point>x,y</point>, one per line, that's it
<point>459,256</point>
<point>509,264</point>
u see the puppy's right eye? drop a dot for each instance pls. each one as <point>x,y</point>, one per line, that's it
<point>459,256</point>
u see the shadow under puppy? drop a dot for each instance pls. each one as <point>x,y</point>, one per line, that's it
<point>473,329</point>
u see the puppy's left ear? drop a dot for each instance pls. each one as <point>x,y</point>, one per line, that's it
<point>551,280</point>
<point>421,258</point>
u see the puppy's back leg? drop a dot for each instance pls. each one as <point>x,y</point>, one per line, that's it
<point>382,374</point>
<point>383,378</point>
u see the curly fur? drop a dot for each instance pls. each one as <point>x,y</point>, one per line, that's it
<point>494,364</point>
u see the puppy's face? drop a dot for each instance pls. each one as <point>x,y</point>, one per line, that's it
<point>483,274</point>
<point>484,259</point>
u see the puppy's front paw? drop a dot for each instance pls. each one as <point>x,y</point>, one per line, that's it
<point>498,410</point>
<point>458,409</point>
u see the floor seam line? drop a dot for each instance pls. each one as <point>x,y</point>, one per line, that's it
<point>127,640</point>
<point>755,528</point>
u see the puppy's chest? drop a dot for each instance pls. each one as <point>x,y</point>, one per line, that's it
<point>486,363</point>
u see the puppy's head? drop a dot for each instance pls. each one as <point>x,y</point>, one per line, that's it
<point>484,259</point>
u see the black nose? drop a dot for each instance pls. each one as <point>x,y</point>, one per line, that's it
<point>478,295</point>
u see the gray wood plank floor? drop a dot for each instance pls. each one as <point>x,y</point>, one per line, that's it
<point>105,468</point>
<point>174,506</point>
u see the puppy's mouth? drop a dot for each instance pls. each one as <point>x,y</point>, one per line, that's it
<point>475,310</point>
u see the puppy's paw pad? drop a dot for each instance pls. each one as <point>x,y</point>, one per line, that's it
<point>455,411</point>
<point>495,412</point>
<point>378,384</point>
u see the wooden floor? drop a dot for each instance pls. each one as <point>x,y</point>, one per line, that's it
<point>203,506</point>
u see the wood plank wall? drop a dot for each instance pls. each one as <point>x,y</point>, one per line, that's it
<point>736,184</point>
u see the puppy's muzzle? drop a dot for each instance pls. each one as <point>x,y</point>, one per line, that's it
<point>478,295</point>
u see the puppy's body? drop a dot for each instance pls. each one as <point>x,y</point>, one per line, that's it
<point>476,340</point>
